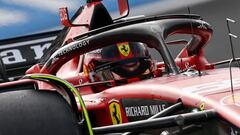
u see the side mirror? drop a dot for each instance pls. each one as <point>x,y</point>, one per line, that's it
<point>117,9</point>
<point>123,8</point>
<point>64,17</point>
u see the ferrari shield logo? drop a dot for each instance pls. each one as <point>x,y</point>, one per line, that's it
<point>124,48</point>
<point>115,112</point>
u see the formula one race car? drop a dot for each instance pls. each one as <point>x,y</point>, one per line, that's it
<point>99,78</point>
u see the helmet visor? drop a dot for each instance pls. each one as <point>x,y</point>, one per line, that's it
<point>122,69</point>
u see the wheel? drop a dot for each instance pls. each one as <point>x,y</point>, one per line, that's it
<point>31,112</point>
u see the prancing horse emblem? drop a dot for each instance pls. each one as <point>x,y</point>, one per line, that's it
<point>124,48</point>
<point>115,112</point>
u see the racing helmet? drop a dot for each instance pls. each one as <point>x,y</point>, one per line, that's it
<point>120,61</point>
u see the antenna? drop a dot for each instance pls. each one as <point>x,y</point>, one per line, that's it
<point>189,12</point>
<point>198,69</point>
<point>233,55</point>
<point>231,35</point>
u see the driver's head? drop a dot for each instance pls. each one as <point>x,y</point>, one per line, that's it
<point>121,61</point>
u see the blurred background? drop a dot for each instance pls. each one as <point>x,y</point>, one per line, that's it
<point>24,17</point>
<point>27,27</point>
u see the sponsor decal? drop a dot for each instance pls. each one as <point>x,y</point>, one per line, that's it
<point>231,100</point>
<point>139,109</point>
<point>202,26</point>
<point>146,110</point>
<point>97,51</point>
<point>115,112</point>
<point>73,47</point>
<point>27,52</point>
<point>124,48</point>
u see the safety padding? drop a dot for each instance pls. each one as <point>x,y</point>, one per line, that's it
<point>31,112</point>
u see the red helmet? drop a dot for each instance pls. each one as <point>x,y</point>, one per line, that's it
<point>120,61</point>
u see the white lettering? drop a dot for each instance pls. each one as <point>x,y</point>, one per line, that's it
<point>153,109</point>
<point>12,56</point>
<point>137,111</point>
<point>73,47</point>
<point>38,49</point>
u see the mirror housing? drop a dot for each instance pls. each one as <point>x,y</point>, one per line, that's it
<point>64,17</point>
<point>123,7</point>
<point>63,12</point>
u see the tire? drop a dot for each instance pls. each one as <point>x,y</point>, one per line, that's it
<point>31,112</point>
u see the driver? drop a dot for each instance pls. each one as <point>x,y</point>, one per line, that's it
<point>125,60</point>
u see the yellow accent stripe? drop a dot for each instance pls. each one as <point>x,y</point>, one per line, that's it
<point>74,90</point>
